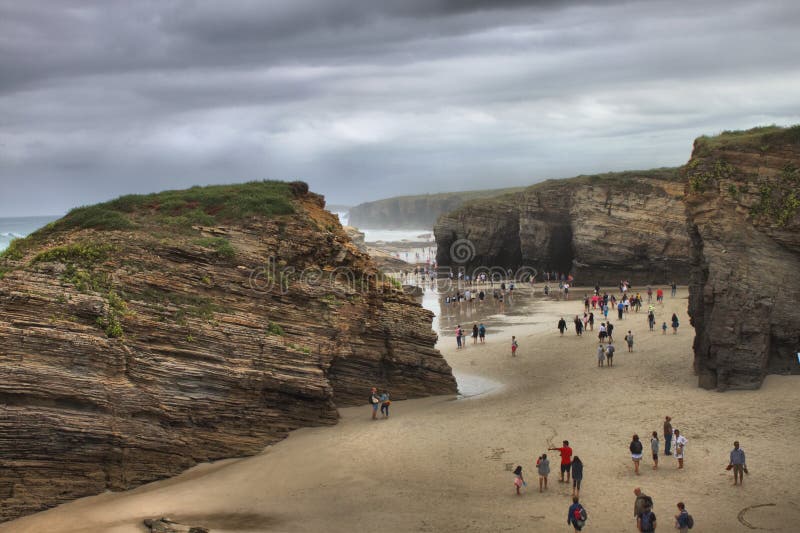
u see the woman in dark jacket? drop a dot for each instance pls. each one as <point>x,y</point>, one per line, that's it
<point>577,475</point>
<point>636,452</point>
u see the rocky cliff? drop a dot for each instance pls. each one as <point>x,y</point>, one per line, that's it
<point>413,212</point>
<point>743,210</point>
<point>601,228</point>
<point>144,335</point>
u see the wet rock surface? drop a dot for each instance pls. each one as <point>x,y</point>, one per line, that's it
<point>743,210</point>
<point>130,355</point>
<point>603,228</point>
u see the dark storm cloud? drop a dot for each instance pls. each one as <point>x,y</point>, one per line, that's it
<point>365,98</point>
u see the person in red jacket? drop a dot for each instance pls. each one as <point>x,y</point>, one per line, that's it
<point>566,460</point>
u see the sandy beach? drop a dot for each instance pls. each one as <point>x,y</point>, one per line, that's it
<point>444,463</point>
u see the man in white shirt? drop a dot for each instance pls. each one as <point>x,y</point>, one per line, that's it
<point>680,444</point>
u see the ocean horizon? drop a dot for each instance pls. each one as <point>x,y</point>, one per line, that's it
<point>17,227</point>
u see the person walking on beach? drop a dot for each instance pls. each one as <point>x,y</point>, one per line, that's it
<point>566,460</point>
<point>562,326</point>
<point>683,520</point>
<point>577,475</point>
<point>374,402</point>
<point>636,452</point>
<point>680,445</point>
<point>654,448</point>
<point>629,340</point>
<point>459,334</point>
<point>519,481</point>
<point>576,515</point>
<point>651,320</point>
<point>603,333</point>
<point>646,522</point>
<point>482,333</point>
<point>737,463</point>
<point>667,435</point>
<point>591,321</point>
<point>660,296</point>
<point>543,467</point>
<point>674,289</point>
<point>642,503</point>
<point>610,331</point>
<point>664,328</point>
<point>474,333</point>
<point>610,353</point>
<point>674,323</point>
<point>514,346</point>
<point>385,403</point>
<point>601,354</point>
<point>578,326</point>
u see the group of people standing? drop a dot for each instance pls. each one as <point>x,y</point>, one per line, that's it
<point>637,447</point>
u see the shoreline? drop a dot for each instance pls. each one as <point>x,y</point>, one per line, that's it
<point>442,465</point>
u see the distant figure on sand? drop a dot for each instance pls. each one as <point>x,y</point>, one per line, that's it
<point>737,463</point>
<point>683,520</point>
<point>576,514</point>
<point>475,334</point>
<point>459,334</point>
<point>601,354</point>
<point>667,435</point>
<point>577,475</point>
<point>385,403</point>
<point>629,340</point>
<point>664,328</point>
<point>654,448</point>
<point>610,331</point>
<point>374,402</point>
<point>636,452</point>
<point>610,353</point>
<point>514,346</point>
<point>603,333</point>
<point>674,323</point>
<point>578,326</point>
<point>482,333</point>
<point>651,320</point>
<point>519,481</point>
<point>566,460</point>
<point>562,326</point>
<point>680,444</point>
<point>543,467</point>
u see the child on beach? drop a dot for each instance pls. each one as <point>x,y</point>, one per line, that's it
<point>514,346</point>
<point>543,467</point>
<point>519,481</point>
<point>664,328</point>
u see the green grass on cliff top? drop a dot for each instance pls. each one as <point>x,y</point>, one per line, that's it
<point>175,209</point>
<point>760,138</point>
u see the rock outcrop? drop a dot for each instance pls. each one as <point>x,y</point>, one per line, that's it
<point>413,212</point>
<point>743,209</point>
<point>142,336</point>
<point>601,229</point>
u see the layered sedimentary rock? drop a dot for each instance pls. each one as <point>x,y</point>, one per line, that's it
<point>601,229</point>
<point>144,335</point>
<point>743,209</point>
<point>413,212</point>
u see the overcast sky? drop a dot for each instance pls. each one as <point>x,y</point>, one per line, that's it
<point>366,99</point>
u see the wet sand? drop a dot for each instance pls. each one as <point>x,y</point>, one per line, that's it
<point>443,463</point>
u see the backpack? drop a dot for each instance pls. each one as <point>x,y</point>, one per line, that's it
<point>686,520</point>
<point>579,516</point>
<point>647,521</point>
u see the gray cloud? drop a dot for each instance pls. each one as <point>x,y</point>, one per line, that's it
<point>367,99</point>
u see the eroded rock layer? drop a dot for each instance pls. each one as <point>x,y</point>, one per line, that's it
<point>142,336</point>
<point>743,209</point>
<point>601,229</point>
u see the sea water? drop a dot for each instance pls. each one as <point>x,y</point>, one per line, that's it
<point>16,227</point>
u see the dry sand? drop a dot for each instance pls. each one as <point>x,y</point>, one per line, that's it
<point>441,464</point>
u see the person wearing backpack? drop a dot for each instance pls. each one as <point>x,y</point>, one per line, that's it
<point>646,521</point>
<point>636,452</point>
<point>683,520</point>
<point>576,515</point>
